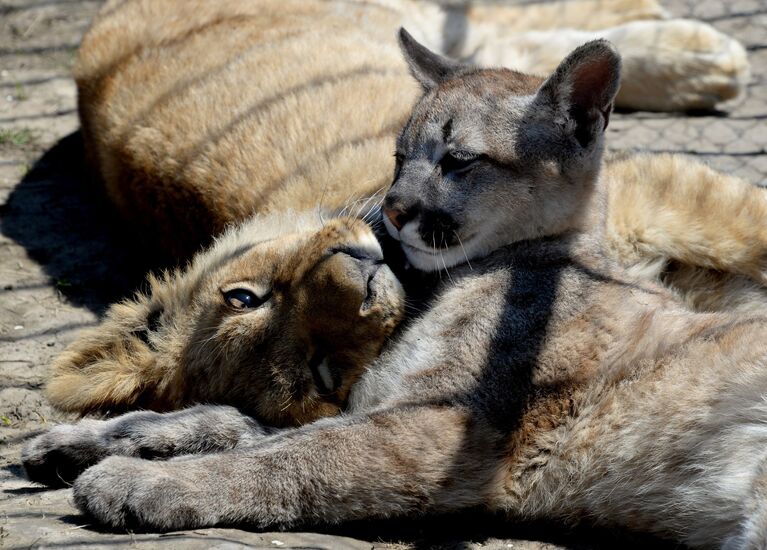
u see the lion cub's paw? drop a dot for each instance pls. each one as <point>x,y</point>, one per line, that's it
<point>678,65</point>
<point>58,456</point>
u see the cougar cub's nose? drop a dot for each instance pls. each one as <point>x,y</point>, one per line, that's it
<point>438,228</point>
<point>397,217</point>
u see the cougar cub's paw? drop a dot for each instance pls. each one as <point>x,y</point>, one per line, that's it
<point>678,65</point>
<point>123,492</point>
<point>58,456</point>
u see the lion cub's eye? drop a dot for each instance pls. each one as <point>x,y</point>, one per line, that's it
<point>242,298</point>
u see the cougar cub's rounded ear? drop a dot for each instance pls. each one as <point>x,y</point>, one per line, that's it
<point>427,67</point>
<point>584,86</point>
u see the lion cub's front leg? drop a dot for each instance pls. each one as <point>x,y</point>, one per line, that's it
<point>59,455</point>
<point>702,232</point>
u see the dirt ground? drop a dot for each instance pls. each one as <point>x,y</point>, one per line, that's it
<point>62,261</point>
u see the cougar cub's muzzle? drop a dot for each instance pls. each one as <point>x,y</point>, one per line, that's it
<point>429,237</point>
<point>434,227</point>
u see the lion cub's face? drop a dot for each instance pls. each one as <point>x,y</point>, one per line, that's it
<point>279,320</point>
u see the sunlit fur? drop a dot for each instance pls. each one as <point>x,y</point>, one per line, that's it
<point>197,114</point>
<point>543,382</point>
<point>321,307</point>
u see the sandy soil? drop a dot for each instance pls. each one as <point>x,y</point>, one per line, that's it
<point>62,261</point>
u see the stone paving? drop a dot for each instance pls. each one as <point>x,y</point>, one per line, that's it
<point>62,261</point>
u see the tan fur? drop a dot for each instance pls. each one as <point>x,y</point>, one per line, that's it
<point>199,114</point>
<point>584,15</point>
<point>662,62</point>
<point>696,214</point>
<point>542,381</point>
<point>322,306</point>
<point>669,216</point>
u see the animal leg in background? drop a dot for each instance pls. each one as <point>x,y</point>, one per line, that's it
<point>668,65</point>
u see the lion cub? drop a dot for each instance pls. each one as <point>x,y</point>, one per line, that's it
<point>279,318</point>
<point>543,382</point>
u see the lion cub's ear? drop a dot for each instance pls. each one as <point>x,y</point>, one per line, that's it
<point>427,67</point>
<point>583,88</point>
<point>113,366</point>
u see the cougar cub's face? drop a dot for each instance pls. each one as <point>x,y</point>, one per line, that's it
<point>490,157</point>
<point>279,318</point>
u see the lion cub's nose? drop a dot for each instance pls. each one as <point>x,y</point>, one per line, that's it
<point>396,217</point>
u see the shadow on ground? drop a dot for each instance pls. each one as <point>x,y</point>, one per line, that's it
<point>65,224</point>
<point>470,529</point>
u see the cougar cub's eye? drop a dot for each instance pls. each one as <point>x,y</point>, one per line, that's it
<point>458,161</point>
<point>399,158</point>
<point>242,298</point>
